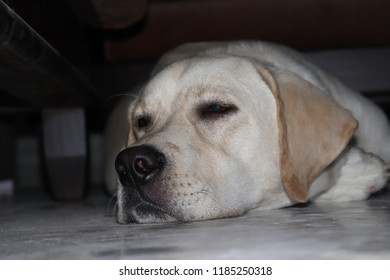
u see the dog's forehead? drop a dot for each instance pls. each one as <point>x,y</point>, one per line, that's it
<point>190,78</point>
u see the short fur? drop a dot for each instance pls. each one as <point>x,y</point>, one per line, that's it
<point>286,142</point>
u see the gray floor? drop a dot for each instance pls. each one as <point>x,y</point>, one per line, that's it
<point>34,227</point>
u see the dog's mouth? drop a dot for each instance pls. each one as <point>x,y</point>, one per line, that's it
<point>136,207</point>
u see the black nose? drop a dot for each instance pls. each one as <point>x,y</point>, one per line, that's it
<point>141,163</point>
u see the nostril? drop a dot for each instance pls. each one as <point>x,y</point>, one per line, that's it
<point>148,165</point>
<point>140,163</point>
<point>122,163</point>
<point>140,166</point>
<point>121,169</point>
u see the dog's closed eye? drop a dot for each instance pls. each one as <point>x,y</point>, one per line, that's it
<point>143,122</point>
<point>216,110</point>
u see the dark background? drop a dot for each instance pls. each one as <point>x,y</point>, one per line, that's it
<point>114,44</point>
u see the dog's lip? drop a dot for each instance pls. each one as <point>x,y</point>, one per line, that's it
<point>140,200</point>
<point>151,204</point>
<point>144,207</point>
<point>159,211</point>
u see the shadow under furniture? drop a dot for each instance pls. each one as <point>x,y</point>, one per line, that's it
<point>36,77</point>
<point>347,38</point>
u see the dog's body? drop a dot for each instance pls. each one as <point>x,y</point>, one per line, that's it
<point>223,128</point>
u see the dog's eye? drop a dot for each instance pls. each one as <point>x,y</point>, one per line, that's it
<point>143,122</point>
<point>216,110</point>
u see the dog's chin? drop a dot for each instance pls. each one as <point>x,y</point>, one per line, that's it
<point>144,213</point>
<point>134,207</point>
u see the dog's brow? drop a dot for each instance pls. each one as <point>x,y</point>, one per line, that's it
<point>146,105</point>
<point>213,93</point>
<point>204,89</point>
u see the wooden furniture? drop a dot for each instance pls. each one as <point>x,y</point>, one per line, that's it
<point>34,73</point>
<point>144,29</point>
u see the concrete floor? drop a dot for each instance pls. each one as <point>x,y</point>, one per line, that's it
<point>35,227</point>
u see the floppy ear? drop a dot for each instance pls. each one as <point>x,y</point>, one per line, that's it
<point>313,130</point>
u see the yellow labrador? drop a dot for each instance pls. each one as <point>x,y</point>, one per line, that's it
<point>223,128</point>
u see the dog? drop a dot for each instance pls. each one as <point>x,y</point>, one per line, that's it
<point>222,128</point>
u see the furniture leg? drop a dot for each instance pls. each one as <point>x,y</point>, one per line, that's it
<point>65,151</point>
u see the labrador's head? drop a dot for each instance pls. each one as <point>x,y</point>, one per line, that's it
<point>213,137</point>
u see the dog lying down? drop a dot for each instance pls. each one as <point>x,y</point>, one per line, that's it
<point>223,128</point>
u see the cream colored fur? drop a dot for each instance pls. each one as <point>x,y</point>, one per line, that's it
<point>287,142</point>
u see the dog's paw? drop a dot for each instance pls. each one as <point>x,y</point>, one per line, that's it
<point>360,175</point>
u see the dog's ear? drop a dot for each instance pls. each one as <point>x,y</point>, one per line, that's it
<point>313,130</point>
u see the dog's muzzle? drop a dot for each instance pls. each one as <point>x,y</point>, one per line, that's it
<point>139,165</point>
<point>140,170</point>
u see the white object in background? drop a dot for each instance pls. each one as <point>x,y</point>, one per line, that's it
<point>6,188</point>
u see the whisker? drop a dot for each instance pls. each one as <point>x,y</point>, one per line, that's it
<point>135,96</point>
<point>112,199</point>
<point>210,191</point>
<point>115,208</point>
